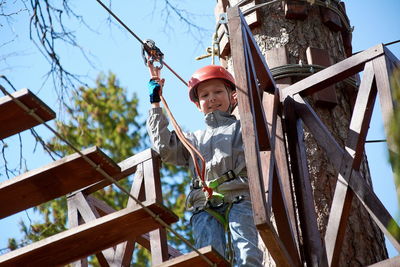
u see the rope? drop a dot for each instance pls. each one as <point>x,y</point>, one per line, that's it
<point>192,150</point>
<point>104,173</point>
<point>303,70</point>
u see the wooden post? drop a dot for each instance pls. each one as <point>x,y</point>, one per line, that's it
<point>342,199</point>
<point>256,138</point>
<point>326,97</point>
<point>313,246</point>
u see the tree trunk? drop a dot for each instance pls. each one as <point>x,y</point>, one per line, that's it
<point>364,242</point>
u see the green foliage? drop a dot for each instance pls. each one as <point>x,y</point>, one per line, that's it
<point>104,116</point>
<point>394,131</point>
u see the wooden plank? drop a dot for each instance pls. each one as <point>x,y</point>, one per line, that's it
<point>392,262</point>
<point>335,153</point>
<point>250,140</point>
<point>382,72</point>
<point>326,97</point>
<point>341,204</point>
<point>128,167</point>
<point>86,239</point>
<point>14,119</point>
<point>144,239</point>
<point>295,9</point>
<point>255,97</point>
<point>281,190</point>
<point>331,19</point>
<point>278,57</point>
<point>332,74</point>
<point>275,245</point>
<point>247,91</point>
<point>265,80</point>
<point>53,180</point>
<point>283,223</point>
<point>88,212</point>
<point>193,259</point>
<point>313,246</point>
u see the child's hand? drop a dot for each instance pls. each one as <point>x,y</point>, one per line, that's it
<point>155,84</point>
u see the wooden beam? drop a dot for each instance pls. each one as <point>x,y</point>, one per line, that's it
<point>247,119</point>
<point>295,9</point>
<point>392,262</point>
<point>264,77</point>
<point>53,180</point>
<point>193,259</point>
<point>14,119</point>
<point>144,239</point>
<point>313,246</point>
<point>383,72</point>
<point>248,97</point>
<point>86,239</point>
<point>326,97</point>
<point>279,188</point>
<point>341,204</point>
<point>335,153</point>
<point>277,57</point>
<point>332,74</point>
<point>128,167</point>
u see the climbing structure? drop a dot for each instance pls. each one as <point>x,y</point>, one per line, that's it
<point>270,116</point>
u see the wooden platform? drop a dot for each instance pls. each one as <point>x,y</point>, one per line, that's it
<point>13,119</point>
<point>52,181</point>
<point>193,259</point>
<point>89,238</point>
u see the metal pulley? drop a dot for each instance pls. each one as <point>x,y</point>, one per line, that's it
<point>154,54</point>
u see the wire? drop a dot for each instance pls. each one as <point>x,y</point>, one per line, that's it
<point>104,173</point>
<point>192,150</point>
<point>376,141</point>
<point>138,38</point>
<point>394,42</point>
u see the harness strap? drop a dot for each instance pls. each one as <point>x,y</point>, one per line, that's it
<point>224,221</point>
<point>229,175</point>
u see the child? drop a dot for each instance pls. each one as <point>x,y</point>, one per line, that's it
<point>212,89</point>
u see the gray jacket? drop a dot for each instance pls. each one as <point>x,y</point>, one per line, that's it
<point>220,144</point>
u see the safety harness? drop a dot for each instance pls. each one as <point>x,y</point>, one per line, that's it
<point>218,200</point>
<point>214,199</point>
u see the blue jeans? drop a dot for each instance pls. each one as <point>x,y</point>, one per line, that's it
<point>208,231</point>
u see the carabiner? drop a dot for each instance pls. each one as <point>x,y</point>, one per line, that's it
<point>153,52</point>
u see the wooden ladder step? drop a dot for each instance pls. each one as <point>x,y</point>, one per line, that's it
<point>13,119</point>
<point>89,238</point>
<point>194,259</point>
<point>53,180</point>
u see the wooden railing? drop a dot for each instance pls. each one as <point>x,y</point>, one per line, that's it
<point>264,110</point>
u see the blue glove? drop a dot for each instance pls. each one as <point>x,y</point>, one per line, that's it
<point>154,91</point>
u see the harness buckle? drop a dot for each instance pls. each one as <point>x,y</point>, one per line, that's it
<point>215,202</point>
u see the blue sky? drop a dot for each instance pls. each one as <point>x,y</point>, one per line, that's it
<point>110,48</point>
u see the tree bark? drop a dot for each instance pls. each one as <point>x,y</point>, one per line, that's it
<point>364,242</point>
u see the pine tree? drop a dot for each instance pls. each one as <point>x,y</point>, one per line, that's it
<point>106,117</point>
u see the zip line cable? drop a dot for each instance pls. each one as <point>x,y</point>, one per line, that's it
<point>192,150</point>
<point>138,38</point>
<point>98,168</point>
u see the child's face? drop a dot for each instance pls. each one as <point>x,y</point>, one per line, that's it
<point>213,95</point>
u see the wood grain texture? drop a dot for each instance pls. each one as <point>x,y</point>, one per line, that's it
<point>86,239</point>
<point>53,180</point>
<point>193,259</point>
<point>14,119</point>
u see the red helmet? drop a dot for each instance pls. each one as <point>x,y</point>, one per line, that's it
<point>207,73</point>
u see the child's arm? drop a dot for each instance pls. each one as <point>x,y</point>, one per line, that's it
<point>155,85</point>
<point>165,142</point>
